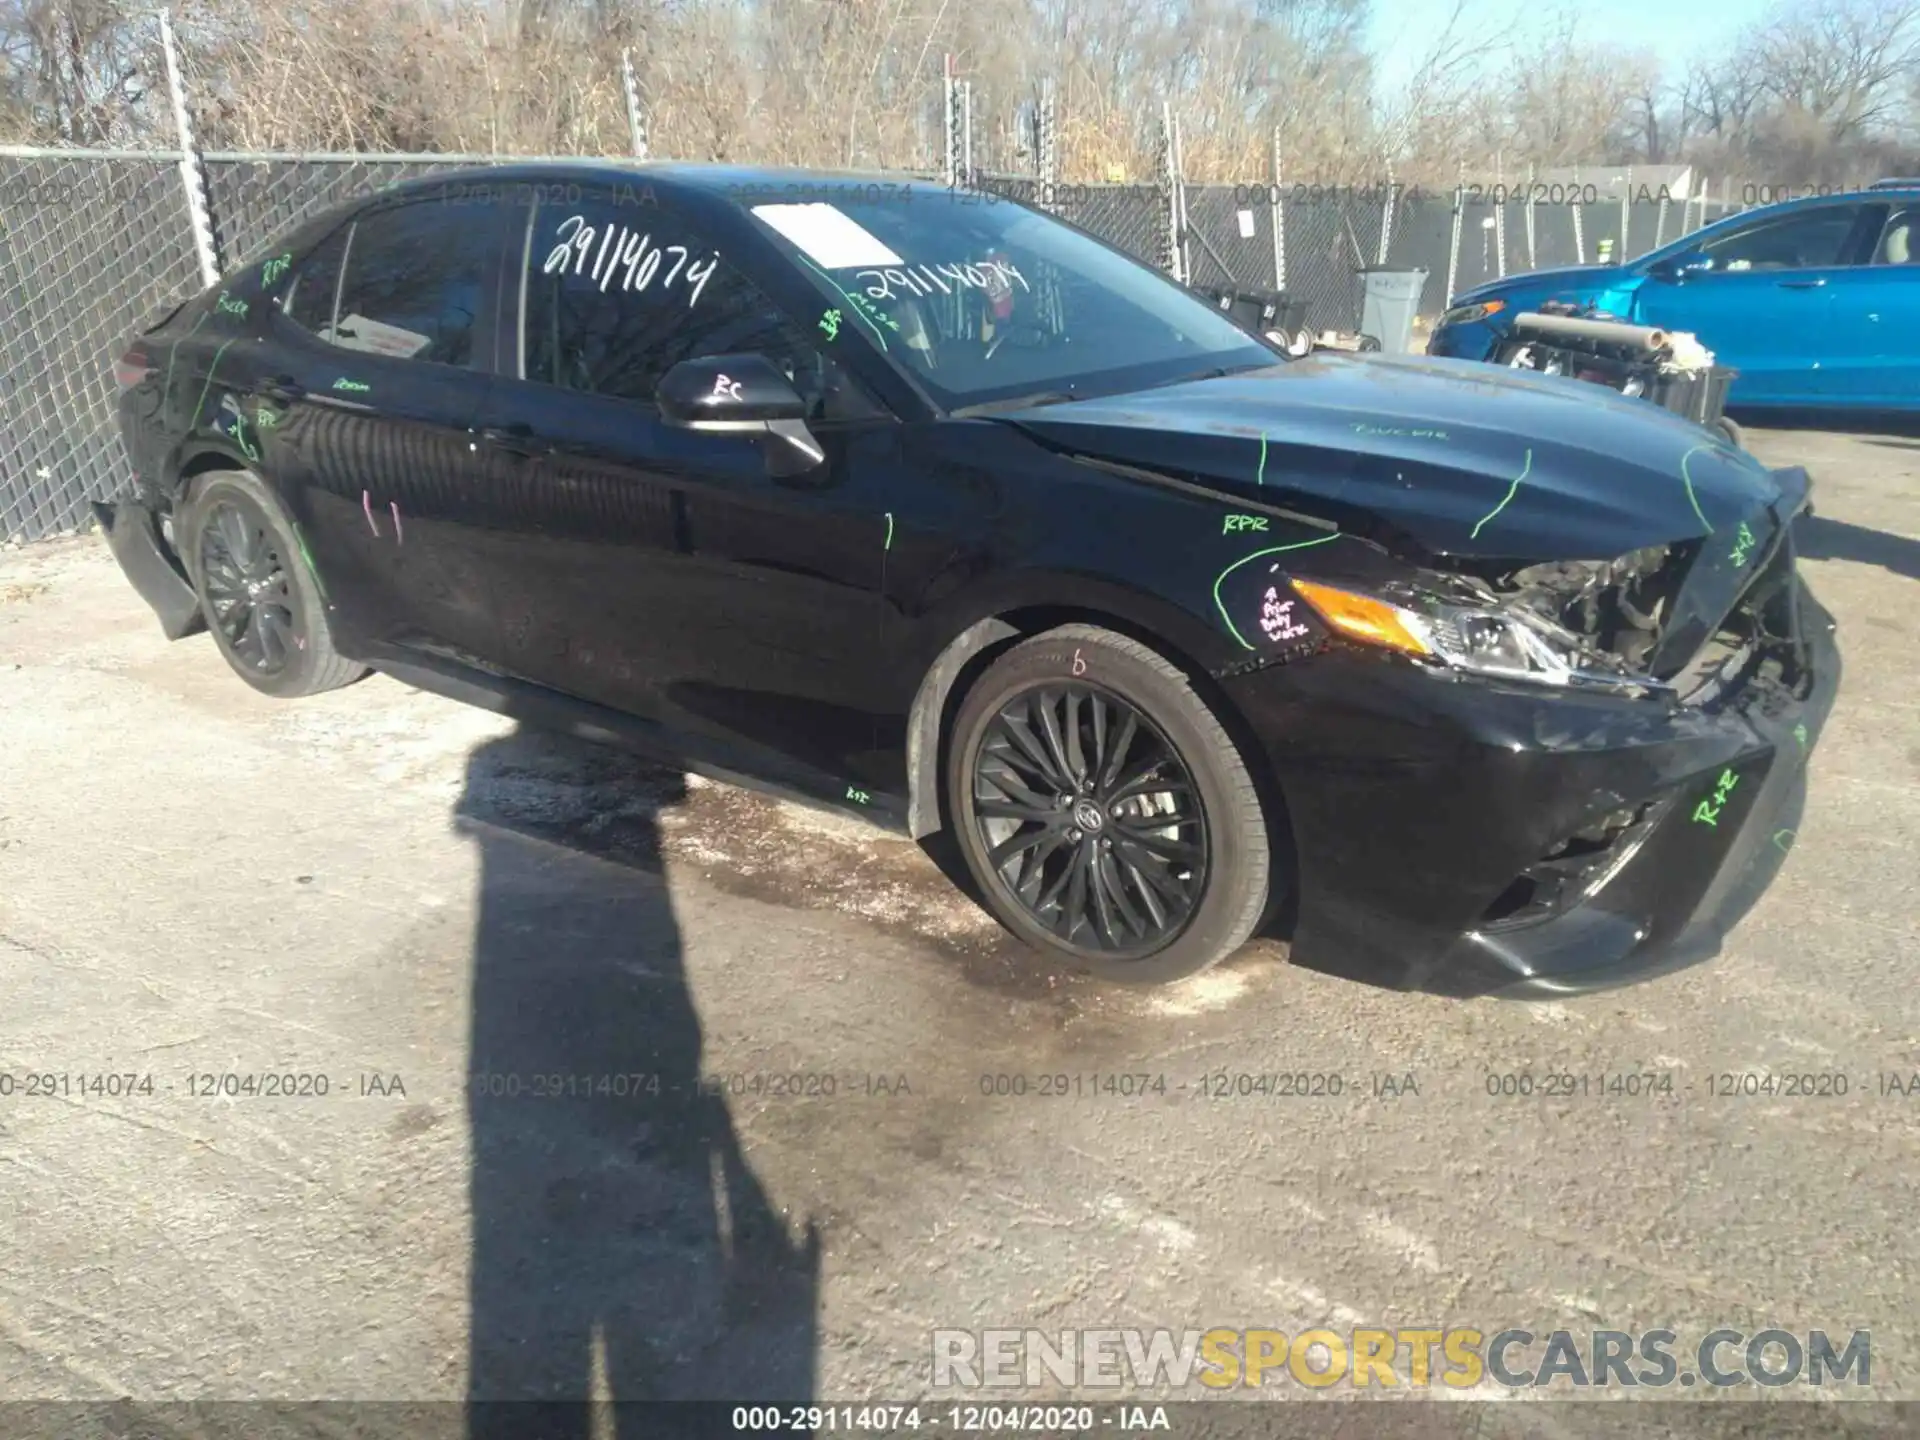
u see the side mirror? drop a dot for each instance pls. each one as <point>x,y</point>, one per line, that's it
<point>727,393</point>
<point>736,394</point>
<point>1678,267</point>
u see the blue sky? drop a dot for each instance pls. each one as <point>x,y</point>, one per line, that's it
<point>1403,31</point>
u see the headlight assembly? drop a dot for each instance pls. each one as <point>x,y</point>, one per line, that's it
<point>1467,314</point>
<point>1502,642</point>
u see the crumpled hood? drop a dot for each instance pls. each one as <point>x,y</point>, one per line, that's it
<point>1446,456</point>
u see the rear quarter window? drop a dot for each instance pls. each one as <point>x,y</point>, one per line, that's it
<point>309,297</point>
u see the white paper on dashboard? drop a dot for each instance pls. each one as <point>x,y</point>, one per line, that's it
<point>827,235</point>
<point>359,332</point>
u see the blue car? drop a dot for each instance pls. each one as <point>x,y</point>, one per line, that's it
<point>1814,302</point>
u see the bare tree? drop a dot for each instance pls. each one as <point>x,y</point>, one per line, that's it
<point>76,71</point>
<point>1837,63</point>
<point>1816,88</point>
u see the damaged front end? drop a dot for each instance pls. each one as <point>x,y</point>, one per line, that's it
<point>1588,769</point>
<point>1589,625</point>
<point>1695,622</point>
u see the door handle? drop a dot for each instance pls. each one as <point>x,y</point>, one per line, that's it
<point>1800,284</point>
<point>517,438</point>
<point>283,388</point>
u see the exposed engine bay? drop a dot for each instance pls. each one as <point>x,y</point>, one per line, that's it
<point>1610,617</point>
<point>1606,615</point>
<point>1670,368</point>
<point>1618,606</point>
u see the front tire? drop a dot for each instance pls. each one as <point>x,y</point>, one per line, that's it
<point>1104,812</point>
<point>260,600</point>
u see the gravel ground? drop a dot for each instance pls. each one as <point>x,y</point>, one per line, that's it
<point>386,893</point>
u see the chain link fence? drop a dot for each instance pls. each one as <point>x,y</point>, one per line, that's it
<point>89,245</point>
<point>94,242</point>
<point>251,199</point>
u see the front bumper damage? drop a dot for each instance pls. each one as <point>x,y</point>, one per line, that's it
<point>1420,807</point>
<point>133,534</point>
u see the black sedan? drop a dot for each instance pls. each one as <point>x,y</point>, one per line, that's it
<point>929,505</point>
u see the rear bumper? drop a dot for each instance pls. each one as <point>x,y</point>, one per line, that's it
<point>1415,803</point>
<point>133,535</point>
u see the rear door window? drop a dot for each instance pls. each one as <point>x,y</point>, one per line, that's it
<point>415,278</point>
<point>1806,240</point>
<point>1899,242</point>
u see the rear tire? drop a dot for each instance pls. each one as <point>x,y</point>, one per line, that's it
<point>1106,815</point>
<point>258,595</point>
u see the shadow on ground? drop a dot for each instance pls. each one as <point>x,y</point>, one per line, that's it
<point>1821,538</point>
<point>623,1247</point>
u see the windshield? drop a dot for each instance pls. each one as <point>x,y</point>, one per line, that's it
<point>985,301</point>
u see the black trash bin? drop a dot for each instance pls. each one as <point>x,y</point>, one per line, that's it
<point>1261,311</point>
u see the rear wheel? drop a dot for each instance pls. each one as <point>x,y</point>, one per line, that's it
<point>1106,815</point>
<point>258,596</point>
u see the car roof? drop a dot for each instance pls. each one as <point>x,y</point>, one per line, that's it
<point>1876,194</point>
<point>719,181</point>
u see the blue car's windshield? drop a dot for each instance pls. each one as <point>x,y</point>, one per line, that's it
<point>983,300</point>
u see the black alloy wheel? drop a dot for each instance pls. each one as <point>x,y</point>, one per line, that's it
<point>1106,815</point>
<point>257,591</point>
<point>1090,818</point>
<point>248,589</point>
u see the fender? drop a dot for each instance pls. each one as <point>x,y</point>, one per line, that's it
<point>1013,605</point>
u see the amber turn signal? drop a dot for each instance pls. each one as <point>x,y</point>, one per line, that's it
<point>1363,618</point>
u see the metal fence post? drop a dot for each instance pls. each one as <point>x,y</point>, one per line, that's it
<point>1453,244</point>
<point>952,164</point>
<point>1279,220</point>
<point>1533,257</point>
<point>1626,215</point>
<point>1500,214</point>
<point>1044,145</point>
<point>190,173</point>
<point>966,129</point>
<point>1176,200</point>
<point>1386,217</point>
<point>636,121</point>
<point>1579,237</point>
